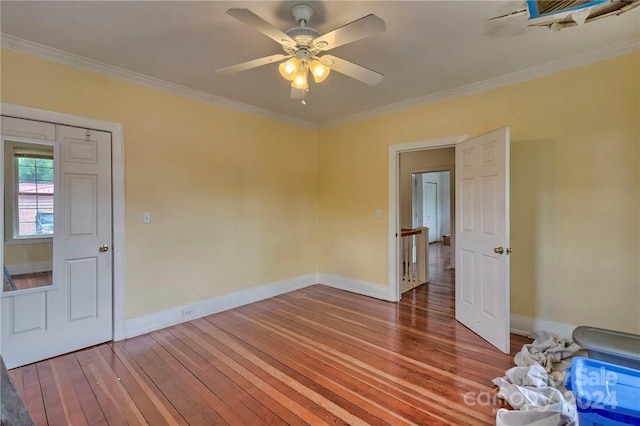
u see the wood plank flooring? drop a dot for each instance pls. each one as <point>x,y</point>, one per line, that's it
<point>313,356</point>
<point>36,279</point>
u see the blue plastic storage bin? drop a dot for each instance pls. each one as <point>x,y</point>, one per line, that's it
<point>606,394</point>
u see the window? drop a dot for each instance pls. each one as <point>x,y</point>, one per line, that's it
<point>30,180</point>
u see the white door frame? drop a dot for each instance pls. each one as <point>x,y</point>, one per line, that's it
<point>394,200</point>
<point>118,196</point>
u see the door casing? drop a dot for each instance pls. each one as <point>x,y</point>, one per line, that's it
<point>118,199</point>
<point>394,201</point>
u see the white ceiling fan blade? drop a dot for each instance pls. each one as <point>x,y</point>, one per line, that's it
<point>356,30</point>
<point>248,17</point>
<point>252,64</point>
<point>352,70</point>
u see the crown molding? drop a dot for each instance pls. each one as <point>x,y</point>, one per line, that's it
<point>45,52</point>
<point>494,83</point>
<point>60,56</point>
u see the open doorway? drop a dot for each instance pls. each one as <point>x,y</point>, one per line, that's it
<point>431,204</point>
<point>481,187</point>
<point>426,217</point>
<point>432,208</point>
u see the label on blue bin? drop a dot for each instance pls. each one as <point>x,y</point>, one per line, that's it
<point>603,386</point>
<point>598,387</point>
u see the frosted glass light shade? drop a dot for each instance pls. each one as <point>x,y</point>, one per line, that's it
<point>300,79</point>
<point>288,69</point>
<point>320,72</point>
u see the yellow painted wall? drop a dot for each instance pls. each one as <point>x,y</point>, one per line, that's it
<point>575,204</point>
<point>22,254</point>
<point>233,197</point>
<point>237,200</point>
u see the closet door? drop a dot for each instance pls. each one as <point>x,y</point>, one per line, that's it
<point>76,311</point>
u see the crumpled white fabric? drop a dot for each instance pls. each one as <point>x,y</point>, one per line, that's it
<point>546,349</point>
<point>539,398</point>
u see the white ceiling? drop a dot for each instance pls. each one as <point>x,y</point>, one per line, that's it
<point>429,46</point>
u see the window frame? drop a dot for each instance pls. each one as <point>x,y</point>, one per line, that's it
<point>11,214</point>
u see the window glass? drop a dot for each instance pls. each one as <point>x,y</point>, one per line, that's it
<point>34,195</point>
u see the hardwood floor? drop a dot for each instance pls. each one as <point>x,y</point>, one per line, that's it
<point>313,356</point>
<point>37,279</point>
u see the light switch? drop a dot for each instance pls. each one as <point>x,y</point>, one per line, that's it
<point>378,214</point>
<point>146,217</point>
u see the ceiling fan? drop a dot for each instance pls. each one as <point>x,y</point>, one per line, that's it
<point>304,49</point>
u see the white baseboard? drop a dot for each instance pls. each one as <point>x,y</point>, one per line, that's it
<point>29,268</point>
<point>526,326</point>
<point>172,316</point>
<point>144,324</point>
<point>355,286</point>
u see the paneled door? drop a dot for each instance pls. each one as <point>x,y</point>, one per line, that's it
<point>482,236</point>
<point>75,312</point>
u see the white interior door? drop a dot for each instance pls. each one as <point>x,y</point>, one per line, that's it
<point>77,311</point>
<point>431,209</point>
<point>482,236</point>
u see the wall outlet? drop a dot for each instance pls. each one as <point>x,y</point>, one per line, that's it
<point>187,312</point>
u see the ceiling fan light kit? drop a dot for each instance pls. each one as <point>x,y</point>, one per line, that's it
<point>318,71</point>
<point>288,69</point>
<point>304,46</point>
<point>300,78</point>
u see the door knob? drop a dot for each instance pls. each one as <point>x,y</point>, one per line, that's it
<point>498,250</point>
<point>103,248</point>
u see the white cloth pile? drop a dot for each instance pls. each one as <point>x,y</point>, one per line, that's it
<point>546,349</point>
<point>535,388</point>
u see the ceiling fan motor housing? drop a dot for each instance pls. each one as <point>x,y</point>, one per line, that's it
<point>303,36</point>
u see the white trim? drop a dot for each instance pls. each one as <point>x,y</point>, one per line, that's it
<point>525,326</point>
<point>1,236</point>
<point>60,56</point>
<point>119,234</point>
<point>172,316</point>
<point>118,188</point>
<point>29,268</point>
<point>365,288</point>
<point>394,201</point>
<point>494,83</point>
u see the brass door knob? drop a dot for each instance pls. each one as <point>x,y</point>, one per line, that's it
<point>103,248</point>
<point>499,250</point>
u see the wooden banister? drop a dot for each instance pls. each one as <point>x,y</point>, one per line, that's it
<point>414,256</point>
<point>408,232</point>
